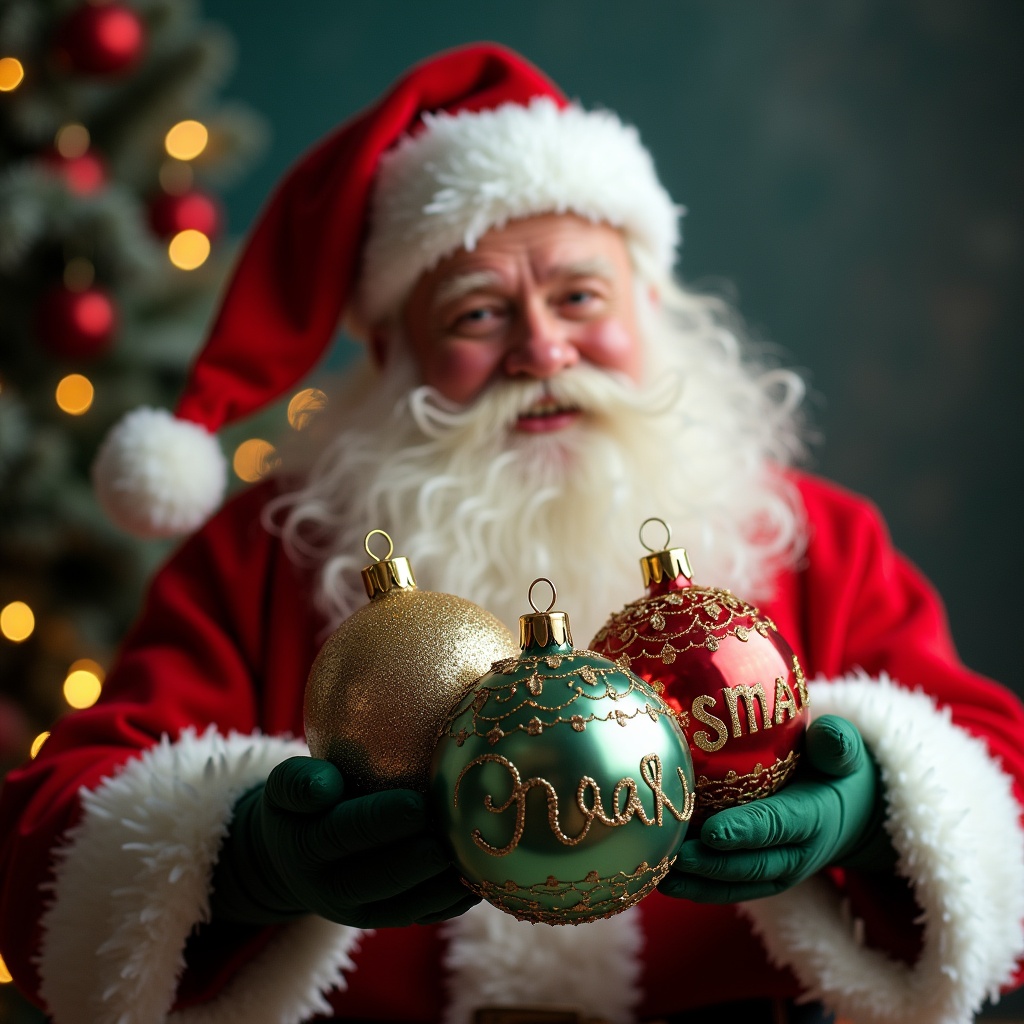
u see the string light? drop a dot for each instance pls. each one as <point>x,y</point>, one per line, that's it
<point>5,974</point>
<point>72,141</point>
<point>253,459</point>
<point>88,665</point>
<point>186,140</point>
<point>75,394</point>
<point>11,73</point>
<point>17,621</point>
<point>82,688</point>
<point>304,406</point>
<point>189,249</point>
<point>37,744</point>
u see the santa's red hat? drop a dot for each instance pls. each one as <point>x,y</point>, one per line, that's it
<point>464,142</point>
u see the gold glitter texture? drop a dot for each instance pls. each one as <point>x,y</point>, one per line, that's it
<point>386,679</point>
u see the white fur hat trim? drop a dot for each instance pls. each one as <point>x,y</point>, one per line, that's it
<point>466,173</point>
<point>157,476</point>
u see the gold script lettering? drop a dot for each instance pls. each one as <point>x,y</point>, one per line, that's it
<point>801,683</point>
<point>784,701</point>
<point>650,772</point>
<point>702,738</point>
<point>734,694</point>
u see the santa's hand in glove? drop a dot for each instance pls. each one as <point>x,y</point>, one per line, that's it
<point>297,846</point>
<point>831,815</point>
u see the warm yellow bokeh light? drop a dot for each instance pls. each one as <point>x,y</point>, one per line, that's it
<point>37,744</point>
<point>82,688</point>
<point>186,140</point>
<point>17,621</point>
<point>11,73</point>
<point>304,406</point>
<point>253,459</point>
<point>88,665</point>
<point>5,974</point>
<point>75,394</point>
<point>72,141</point>
<point>188,249</point>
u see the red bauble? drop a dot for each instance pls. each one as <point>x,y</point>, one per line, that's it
<point>169,214</point>
<point>75,324</point>
<point>84,174</point>
<point>736,686</point>
<point>100,39</point>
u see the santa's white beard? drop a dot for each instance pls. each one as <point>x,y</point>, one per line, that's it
<point>481,510</point>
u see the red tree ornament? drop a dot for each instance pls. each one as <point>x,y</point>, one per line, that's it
<point>84,173</point>
<point>75,324</point>
<point>100,39</point>
<point>169,214</point>
<point>734,682</point>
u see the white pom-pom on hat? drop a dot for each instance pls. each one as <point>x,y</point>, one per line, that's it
<point>158,476</point>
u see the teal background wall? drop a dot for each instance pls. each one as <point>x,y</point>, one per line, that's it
<point>853,171</point>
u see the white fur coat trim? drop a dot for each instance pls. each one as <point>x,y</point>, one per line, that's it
<point>955,825</point>
<point>132,882</point>
<point>446,186</point>
<point>495,960</point>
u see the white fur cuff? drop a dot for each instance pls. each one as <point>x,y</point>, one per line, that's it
<point>133,881</point>
<point>955,824</point>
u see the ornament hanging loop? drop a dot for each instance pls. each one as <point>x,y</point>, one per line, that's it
<point>387,537</point>
<point>668,534</point>
<point>554,595</point>
<point>546,627</point>
<point>386,574</point>
<point>665,564</point>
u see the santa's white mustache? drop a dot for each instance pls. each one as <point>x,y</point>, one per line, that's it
<point>585,389</point>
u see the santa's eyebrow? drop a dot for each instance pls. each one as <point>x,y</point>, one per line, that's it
<point>596,266</point>
<point>463,284</point>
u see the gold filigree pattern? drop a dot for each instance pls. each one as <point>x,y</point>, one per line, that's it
<point>591,899</point>
<point>678,622</point>
<point>492,706</point>
<point>717,794</point>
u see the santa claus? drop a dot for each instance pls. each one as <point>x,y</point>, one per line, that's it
<point>535,385</point>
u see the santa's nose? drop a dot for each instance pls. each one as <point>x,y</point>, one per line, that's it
<point>541,346</point>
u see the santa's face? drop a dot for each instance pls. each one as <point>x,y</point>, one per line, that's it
<point>531,300</point>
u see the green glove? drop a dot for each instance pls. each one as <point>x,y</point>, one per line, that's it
<point>295,847</point>
<point>831,814</point>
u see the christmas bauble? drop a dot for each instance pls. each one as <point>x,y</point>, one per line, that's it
<point>84,173</point>
<point>75,324</point>
<point>196,211</point>
<point>562,781</point>
<point>735,684</point>
<point>100,39</point>
<point>384,681</point>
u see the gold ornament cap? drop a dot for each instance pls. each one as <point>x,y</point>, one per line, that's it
<point>386,574</point>
<point>666,564</point>
<point>543,628</point>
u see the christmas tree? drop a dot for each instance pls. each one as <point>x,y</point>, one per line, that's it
<point>112,150</point>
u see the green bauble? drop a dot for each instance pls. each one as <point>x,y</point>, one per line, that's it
<point>563,782</point>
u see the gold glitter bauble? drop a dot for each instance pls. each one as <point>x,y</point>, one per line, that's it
<point>386,679</point>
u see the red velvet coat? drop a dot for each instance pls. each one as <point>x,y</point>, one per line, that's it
<point>226,639</point>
